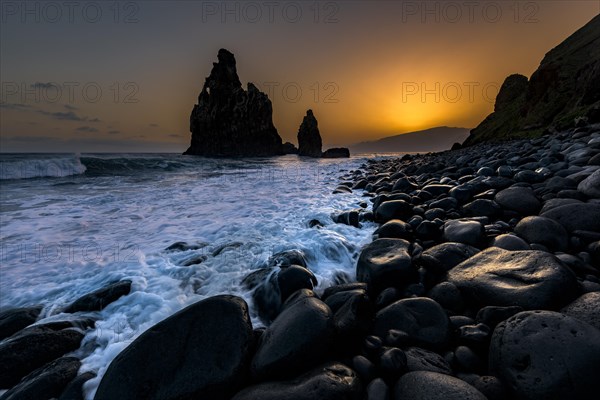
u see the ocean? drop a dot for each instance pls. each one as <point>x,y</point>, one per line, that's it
<point>71,224</point>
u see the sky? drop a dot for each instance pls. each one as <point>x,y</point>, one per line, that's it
<point>123,76</point>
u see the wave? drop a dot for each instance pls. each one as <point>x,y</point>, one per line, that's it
<point>126,165</point>
<point>18,167</point>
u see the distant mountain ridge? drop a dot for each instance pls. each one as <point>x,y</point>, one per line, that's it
<point>428,140</point>
<point>564,91</point>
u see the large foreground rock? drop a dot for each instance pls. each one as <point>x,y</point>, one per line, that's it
<point>425,385</point>
<point>46,382</point>
<point>297,340</point>
<point>332,381</point>
<point>530,279</point>
<point>13,320</point>
<point>33,348</point>
<point>547,355</point>
<point>200,352</point>
<point>229,121</point>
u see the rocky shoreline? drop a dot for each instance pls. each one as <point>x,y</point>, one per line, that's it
<point>482,281</point>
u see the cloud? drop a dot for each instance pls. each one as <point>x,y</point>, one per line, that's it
<point>15,106</point>
<point>94,120</point>
<point>114,132</point>
<point>63,116</point>
<point>70,107</point>
<point>175,135</point>
<point>43,85</point>
<point>154,125</point>
<point>87,129</point>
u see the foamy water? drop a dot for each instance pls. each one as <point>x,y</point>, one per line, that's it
<point>110,217</point>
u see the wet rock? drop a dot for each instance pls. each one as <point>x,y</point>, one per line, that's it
<point>336,152</point>
<point>511,242</point>
<point>529,279</point>
<point>493,315</point>
<point>229,121</point>
<point>395,229</point>
<point>13,320</point>
<point>309,138</point>
<point>29,350</point>
<point>378,390</point>
<point>99,299</point>
<point>481,208</point>
<point>576,216</point>
<point>519,199</point>
<point>448,296</point>
<point>297,340</point>
<point>544,231</point>
<point>445,256</point>
<point>425,385</point>
<point>546,355</point>
<point>418,359</point>
<point>74,390</point>
<point>590,186</point>
<point>424,320</point>
<point>46,382</point>
<point>585,308</point>
<point>181,363</point>
<point>384,263</point>
<point>393,209</point>
<point>466,232</point>
<point>287,258</point>
<point>392,364</point>
<point>332,381</point>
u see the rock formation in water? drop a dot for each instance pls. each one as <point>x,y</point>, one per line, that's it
<point>229,121</point>
<point>309,138</point>
<point>336,152</point>
<point>562,93</point>
<point>289,148</point>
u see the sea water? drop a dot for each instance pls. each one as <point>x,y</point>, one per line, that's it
<point>71,224</point>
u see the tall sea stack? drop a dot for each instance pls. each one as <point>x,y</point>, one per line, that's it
<point>229,121</point>
<point>309,138</point>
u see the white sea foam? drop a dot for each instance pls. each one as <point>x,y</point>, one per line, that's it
<point>62,238</point>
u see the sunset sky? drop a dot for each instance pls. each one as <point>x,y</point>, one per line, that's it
<point>123,76</point>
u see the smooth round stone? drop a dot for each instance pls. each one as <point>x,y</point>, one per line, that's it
<point>329,382</point>
<point>519,199</point>
<point>467,232</point>
<point>545,354</point>
<point>424,320</point>
<point>395,229</point>
<point>544,231</point>
<point>384,263</point>
<point>405,185</point>
<point>393,209</point>
<point>176,358</point>
<point>437,189</point>
<point>585,308</point>
<point>485,171</point>
<point>445,256</point>
<point>13,320</point>
<point>577,216</point>
<point>298,339</point>
<point>393,363</point>
<point>446,203</point>
<point>481,208</point>
<point>530,279</point>
<point>418,359</point>
<point>505,171</point>
<point>590,186</point>
<point>510,242</point>
<point>553,203</point>
<point>461,193</point>
<point>424,385</point>
<point>447,295</point>
<point>378,390</point>
<point>466,359</point>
